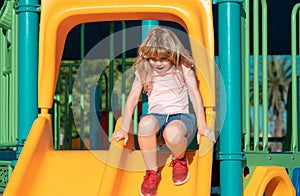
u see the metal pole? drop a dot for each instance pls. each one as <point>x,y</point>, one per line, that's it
<point>265,73</point>
<point>295,136</point>
<point>246,76</point>
<point>111,79</point>
<point>147,25</point>
<point>28,11</point>
<point>230,66</point>
<point>82,54</point>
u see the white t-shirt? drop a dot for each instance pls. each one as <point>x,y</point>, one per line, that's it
<point>168,93</point>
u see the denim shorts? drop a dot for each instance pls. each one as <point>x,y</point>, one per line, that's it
<point>188,119</point>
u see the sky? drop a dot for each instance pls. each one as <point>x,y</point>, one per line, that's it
<point>279,13</point>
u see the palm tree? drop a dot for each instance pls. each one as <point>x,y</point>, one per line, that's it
<point>279,77</point>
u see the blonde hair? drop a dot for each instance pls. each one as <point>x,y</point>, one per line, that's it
<point>160,42</point>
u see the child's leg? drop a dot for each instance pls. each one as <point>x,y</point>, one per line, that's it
<point>148,127</point>
<point>175,137</point>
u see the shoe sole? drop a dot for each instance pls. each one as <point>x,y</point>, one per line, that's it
<point>182,182</point>
<point>146,195</point>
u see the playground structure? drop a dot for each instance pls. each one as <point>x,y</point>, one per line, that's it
<point>251,171</point>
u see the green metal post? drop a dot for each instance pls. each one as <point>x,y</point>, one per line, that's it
<point>2,84</point>
<point>70,101</point>
<point>256,113</point>
<point>28,11</point>
<point>256,50</point>
<point>230,66</point>
<point>8,71</point>
<point>15,76</point>
<point>294,145</point>
<point>67,138</point>
<point>56,114</point>
<point>246,76</point>
<point>111,79</point>
<point>123,99</point>
<point>82,54</point>
<point>265,73</point>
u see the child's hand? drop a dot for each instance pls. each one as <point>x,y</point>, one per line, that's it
<point>120,134</point>
<point>207,133</point>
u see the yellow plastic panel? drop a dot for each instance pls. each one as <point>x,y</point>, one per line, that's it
<point>59,17</point>
<point>41,170</point>
<point>270,181</point>
<point>119,182</point>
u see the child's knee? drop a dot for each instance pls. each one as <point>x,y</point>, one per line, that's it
<point>173,136</point>
<point>148,126</point>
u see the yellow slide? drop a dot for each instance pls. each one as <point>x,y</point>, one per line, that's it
<point>42,171</point>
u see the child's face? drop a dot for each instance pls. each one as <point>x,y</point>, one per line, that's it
<point>160,64</point>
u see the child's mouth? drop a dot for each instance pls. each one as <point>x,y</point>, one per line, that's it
<point>159,68</point>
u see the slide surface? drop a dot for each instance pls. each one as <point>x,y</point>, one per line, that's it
<point>43,171</point>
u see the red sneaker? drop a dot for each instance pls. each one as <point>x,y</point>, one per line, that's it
<point>180,171</point>
<point>150,183</point>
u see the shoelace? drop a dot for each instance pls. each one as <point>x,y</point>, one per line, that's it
<point>150,178</point>
<point>177,164</point>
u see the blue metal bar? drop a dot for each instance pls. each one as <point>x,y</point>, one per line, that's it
<point>147,25</point>
<point>230,67</point>
<point>28,11</point>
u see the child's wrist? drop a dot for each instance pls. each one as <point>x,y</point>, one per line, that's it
<point>202,127</point>
<point>125,129</point>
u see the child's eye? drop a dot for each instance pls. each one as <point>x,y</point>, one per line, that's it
<point>159,59</point>
<point>152,59</point>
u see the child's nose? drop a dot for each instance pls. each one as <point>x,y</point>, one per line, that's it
<point>159,62</point>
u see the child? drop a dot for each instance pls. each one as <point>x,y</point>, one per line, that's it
<point>164,71</point>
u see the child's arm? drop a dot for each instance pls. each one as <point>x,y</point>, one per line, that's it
<point>196,100</point>
<point>130,105</point>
